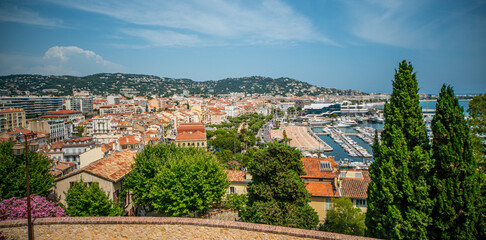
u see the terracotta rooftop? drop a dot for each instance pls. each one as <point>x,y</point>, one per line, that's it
<point>63,112</point>
<point>236,176</point>
<point>129,140</point>
<point>194,128</point>
<point>21,130</point>
<point>355,187</point>
<point>79,139</point>
<point>312,168</point>
<point>321,189</point>
<point>54,116</point>
<point>11,110</point>
<point>112,168</point>
<point>191,124</point>
<point>190,135</point>
<point>64,165</point>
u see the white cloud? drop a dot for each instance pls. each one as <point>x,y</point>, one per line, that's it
<point>416,24</point>
<point>163,38</point>
<point>15,14</point>
<point>212,21</point>
<point>59,60</point>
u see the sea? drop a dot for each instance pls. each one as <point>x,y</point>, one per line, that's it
<point>430,104</point>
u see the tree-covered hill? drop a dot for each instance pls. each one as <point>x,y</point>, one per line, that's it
<point>114,83</point>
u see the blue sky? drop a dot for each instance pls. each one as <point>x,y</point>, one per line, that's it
<point>330,43</point>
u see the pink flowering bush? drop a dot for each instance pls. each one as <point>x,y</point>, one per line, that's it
<point>16,208</point>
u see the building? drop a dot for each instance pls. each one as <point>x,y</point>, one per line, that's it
<point>238,182</point>
<point>323,108</point>
<point>73,148</point>
<point>83,104</point>
<point>109,172</point>
<point>113,100</point>
<point>32,105</point>
<point>68,115</point>
<point>101,125</point>
<point>12,118</point>
<point>322,183</point>
<point>191,135</point>
<point>231,111</point>
<point>57,129</point>
<point>131,142</point>
<point>326,181</point>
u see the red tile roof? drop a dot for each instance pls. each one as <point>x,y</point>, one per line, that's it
<point>79,139</point>
<point>64,165</point>
<point>236,176</point>
<point>321,189</point>
<point>355,187</point>
<point>54,116</point>
<point>63,112</point>
<point>190,135</point>
<point>11,110</point>
<point>112,168</point>
<point>129,140</point>
<point>311,167</point>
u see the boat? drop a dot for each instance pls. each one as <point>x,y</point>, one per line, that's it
<point>319,122</point>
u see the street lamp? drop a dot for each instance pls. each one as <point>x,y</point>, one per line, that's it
<point>18,149</point>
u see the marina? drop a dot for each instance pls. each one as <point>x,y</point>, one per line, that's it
<point>361,136</point>
<point>348,144</point>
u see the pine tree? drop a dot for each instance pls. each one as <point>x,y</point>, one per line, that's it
<point>398,195</point>
<point>455,178</point>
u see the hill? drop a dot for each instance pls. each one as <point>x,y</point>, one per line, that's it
<point>144,85</point>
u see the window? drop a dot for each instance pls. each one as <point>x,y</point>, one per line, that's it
<point>342,175</point>
<point>327,204</point>
<point>231,190</point>
<point>358,175</point>
<point>361,203</point>
<point>324,165</point>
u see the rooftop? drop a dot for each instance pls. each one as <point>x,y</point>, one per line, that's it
<point>313,169</point>
<point>113,167</point>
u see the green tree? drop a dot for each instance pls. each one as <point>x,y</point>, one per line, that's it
<point>277,195</point>
<point>455,179</point>
<point>344,218</point>
<point>80,130</point>
<point>12,173</point>
<point>286,139</point>
<point>477,121</point>
<point>398,195</point>
<point>177,181</point>
<point>89,200</point>
<point>291,110</point>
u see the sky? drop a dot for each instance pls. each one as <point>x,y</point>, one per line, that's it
<point>345,44</point>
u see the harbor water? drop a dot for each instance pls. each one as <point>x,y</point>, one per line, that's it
<point>338,152</point>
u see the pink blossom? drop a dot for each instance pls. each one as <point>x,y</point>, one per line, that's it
<point>14,208</point>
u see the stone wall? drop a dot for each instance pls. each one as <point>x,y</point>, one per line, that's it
<point>225,214</point>
<point>155,228</point>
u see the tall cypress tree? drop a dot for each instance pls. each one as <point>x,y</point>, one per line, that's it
<point>398,195</point>
<point>455,178</point>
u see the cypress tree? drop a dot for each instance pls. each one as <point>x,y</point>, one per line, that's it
<point>398,195</point>
<point>455,178</point>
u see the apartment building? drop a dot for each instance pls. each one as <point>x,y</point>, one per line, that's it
<point>12,118</point>
<point>32,105</point>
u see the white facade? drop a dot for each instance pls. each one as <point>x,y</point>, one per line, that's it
<point>231,111</point>
<point>101,125</point>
